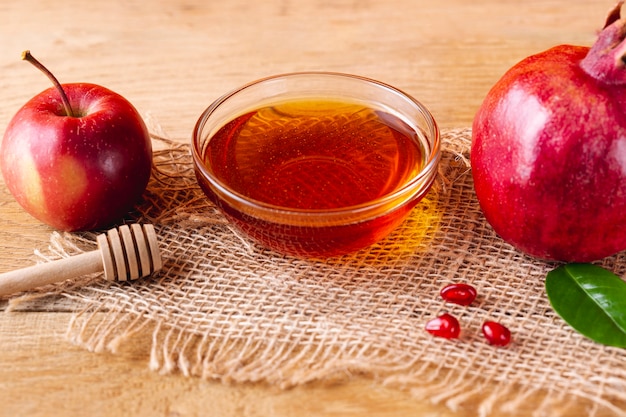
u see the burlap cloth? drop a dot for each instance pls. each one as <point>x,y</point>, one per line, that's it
<point>226,309</point>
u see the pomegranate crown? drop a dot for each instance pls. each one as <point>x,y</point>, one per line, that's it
<point>606,60</point>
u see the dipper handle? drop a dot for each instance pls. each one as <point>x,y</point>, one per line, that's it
<point>123,253</point>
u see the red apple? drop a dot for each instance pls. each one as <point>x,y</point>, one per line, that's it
<point>548,150</point>
<point>79,164</point>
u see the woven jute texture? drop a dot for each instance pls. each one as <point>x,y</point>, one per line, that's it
<point>226,309</point>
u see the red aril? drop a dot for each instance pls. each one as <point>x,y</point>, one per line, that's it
<point>548,150</point>
<point>462,294</point>
<point>496,334</point>
<point>446,326</point>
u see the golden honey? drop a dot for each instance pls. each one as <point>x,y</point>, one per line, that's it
<point>318,156</point>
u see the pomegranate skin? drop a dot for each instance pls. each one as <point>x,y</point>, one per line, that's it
<point>548,156</point>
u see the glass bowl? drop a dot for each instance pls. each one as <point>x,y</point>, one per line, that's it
<point>316,164</point>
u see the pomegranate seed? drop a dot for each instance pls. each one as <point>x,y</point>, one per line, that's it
<point>462,294</point>
<point>496,334</point>
<point>445,326</point>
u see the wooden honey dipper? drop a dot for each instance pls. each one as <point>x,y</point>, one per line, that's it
<point>125,253</point>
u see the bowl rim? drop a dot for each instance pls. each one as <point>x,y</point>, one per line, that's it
<point>429,169</point>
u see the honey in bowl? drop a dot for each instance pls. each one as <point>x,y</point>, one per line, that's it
<point>315,176</point>
<point>315,155</point>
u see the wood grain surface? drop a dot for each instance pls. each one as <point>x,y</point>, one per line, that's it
<point>171,59</point>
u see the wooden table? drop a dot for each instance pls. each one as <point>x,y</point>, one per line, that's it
<point>171,58</point>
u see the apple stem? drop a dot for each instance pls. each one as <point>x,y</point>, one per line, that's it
<point>615,14</point>
<point>66,103</point>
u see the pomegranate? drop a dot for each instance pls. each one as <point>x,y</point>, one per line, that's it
<point>548,150</point>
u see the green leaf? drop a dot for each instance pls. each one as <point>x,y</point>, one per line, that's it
<point>590,299</point>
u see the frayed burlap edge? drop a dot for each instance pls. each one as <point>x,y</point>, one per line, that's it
<point>105,322</point>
